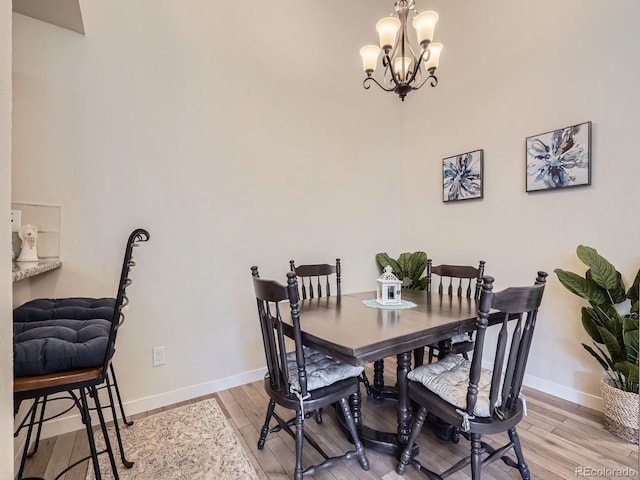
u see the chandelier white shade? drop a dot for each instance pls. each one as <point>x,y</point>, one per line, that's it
<point>369,55</point>
<point>387,30</point>
<point>404,70</point>
<point>425,24</point>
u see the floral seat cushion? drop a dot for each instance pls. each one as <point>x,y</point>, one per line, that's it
<point>322,370</point>
<point>449,378</point>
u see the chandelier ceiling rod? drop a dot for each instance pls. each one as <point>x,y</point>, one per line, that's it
<point>404,70</point>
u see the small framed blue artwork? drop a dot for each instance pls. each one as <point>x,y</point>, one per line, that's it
<point>559,159</point>
<point>462,176</point>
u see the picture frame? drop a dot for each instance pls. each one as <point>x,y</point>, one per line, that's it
<point>463,176</point>
<point>559,159</point>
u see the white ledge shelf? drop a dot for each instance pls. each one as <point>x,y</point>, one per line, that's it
<point>22,270</point>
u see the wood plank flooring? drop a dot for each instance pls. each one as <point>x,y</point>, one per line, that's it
<point>559,439</point>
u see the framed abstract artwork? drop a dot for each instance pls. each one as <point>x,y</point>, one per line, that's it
<point>462,176</point>
<point>559,159</point>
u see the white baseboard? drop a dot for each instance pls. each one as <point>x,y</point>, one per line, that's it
<point>564,392</point>
<point>557,390</point>
<point>72,423</point>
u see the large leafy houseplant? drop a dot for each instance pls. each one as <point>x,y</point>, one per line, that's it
<point>408,267</point>
<point>611,320</point>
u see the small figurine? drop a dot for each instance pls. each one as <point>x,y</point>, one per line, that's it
<point>29,251</point>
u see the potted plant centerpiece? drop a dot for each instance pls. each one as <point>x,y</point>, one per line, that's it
<point>611,321</point>
<point>409,268</point>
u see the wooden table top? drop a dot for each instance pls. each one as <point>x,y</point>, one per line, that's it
<point>347,329</point>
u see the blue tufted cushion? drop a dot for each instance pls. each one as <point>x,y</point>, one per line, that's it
<point>76,308</point>
<point>58,345</point>
<point>322,370</point>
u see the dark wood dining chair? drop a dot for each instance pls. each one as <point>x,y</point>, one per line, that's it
<point>314,281</point>
<point>490,401</point>
<point>458,281</point>
<point>73,357</point>
<point>301,380</point>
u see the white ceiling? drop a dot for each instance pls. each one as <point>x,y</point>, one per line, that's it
<point>64,13</point>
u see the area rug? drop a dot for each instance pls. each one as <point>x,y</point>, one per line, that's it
<point>192,442</point>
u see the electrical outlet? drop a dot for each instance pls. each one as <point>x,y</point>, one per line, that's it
<point>16,220</point>
<point>158,356</point>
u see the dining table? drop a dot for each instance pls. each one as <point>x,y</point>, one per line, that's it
<point>346,328</point>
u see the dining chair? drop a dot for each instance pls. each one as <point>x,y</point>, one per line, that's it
<point>303,379</point>
<point>458,281</point>
<point>477,400</point>
<point>55,354</point>
<point>312,279</point>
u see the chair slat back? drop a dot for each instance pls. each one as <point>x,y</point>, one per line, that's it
<point>518,308</point>
<point>456,280</point>
<point>269,294</point>
<point>315,280</point>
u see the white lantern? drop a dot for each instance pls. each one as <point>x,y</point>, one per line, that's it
<point>389,288</point>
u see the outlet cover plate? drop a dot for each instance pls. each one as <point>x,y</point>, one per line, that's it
<point>16,220</point>
<point>158,356</point>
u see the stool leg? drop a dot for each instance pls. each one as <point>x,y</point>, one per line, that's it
<point>105,434</point>
<point>124,460</point>
<point>115,384</point>
<point>86,419</point>
<point>36,444</point>
<point>28,439</point>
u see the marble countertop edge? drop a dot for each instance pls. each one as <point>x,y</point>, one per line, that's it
<point>22,270</point>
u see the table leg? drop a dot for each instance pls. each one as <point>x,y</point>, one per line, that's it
<point>404,405</point>
<point>378,374</point>
<point>391,443</point>
<point>355,403</point>
<point>379,390</point>
<point>444,348</point>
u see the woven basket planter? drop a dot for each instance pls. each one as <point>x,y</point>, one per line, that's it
<point>620,410</point>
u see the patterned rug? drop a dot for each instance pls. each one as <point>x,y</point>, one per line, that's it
<point>192,442</point>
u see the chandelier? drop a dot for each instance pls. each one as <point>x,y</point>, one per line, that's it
<point>404,69</point>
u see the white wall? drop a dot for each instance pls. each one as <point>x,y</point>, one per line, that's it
<point>6,350</point>
<point>230,143</point>
<point>242,136</point>
<point>509,72</point>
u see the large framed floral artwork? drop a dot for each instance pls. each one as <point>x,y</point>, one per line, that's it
<point>462,176</point>
<point>559,159</point>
